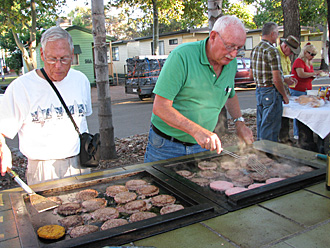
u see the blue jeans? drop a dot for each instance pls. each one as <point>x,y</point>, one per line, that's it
<point>159,148</point>
<point>269,113</point>
<point>295,125</point>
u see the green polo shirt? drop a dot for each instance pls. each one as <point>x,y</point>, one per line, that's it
<point>189,80</point>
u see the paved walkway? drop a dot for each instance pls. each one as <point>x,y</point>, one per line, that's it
<point>117,93</point>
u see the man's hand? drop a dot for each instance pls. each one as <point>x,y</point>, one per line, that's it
<point>244,133</point>
<point>285,99</point>
<point>5,156</point>
<point>291,81</point>
<point>208,140</point>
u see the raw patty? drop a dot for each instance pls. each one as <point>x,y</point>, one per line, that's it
<point>113,223</point>
<point>235,190</point>
<point>274,180</point>
<point>256,185</point>
<point>221,185</point>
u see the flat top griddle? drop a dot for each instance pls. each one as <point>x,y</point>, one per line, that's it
<point>197,208</point>
<point>246,198</point>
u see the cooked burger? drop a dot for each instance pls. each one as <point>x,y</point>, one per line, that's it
<point>147,190</point>
<point>207,165</point>
<point>71,221</point>
<point>83,230</point>
<point>162,200</point>
<point>113,223</point>
<point>125,197</point>
<point>171,208</point>
<point>115,189</point>
<point>93,204</point>
<point>186,173</point>
<point>102,214</point>
<point>51,232</point>
<point>69,208</point>
<point>86,194</point>
<point>135,184</point>
<point>141,216</point>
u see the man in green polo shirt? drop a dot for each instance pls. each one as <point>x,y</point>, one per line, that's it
<point>196,82</point>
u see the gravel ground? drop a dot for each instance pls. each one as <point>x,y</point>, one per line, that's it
<point>130,151</point>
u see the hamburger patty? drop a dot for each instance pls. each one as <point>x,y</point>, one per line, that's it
<point>113,223</point>
<point>115,189</point>
<point>86,194</point>
<point>83,230</point>
<point>102,214</point>
<point>186,173</point>
<point>135,184</point>
<point>242,181</point>
<point>135,206</point>
<point>93,204</point>
<point>125,197</point>
<point>71,221</point>
<point>171,208</point>
<point>69,208</point>
<point>201,181</point>
<point>221,185</point>
<point>207,165</point>
<point>162,200</point>
<point>148,190</point>
<point>235,190</point>
<point>141,216</point>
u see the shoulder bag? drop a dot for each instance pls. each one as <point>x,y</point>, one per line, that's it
<point>89,144</point>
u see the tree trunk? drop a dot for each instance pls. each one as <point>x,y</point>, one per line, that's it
<point>214,12</point>
<point>155,28</point>
<point>108,148</point>
<point>328,20</point>
<point>324,52</point>
<point>291,20</point>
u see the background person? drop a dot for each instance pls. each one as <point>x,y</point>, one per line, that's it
<point>270,92</point>
<point>303,71</point>
<point>31,108</point>
<point>287,47</point>
<point>195,83</point>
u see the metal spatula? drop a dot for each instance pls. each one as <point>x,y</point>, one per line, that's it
<point>255,164</point>
<point>39,202</point>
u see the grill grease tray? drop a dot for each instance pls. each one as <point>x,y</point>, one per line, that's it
<point>197,208</point>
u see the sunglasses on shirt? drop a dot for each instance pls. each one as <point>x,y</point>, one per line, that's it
<point>311,54</point>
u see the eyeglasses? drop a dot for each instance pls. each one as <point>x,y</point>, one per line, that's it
<point>230,48</point>
<point>53,61</point>
<point>311,54</point>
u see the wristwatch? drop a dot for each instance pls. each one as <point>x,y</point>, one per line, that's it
<point>239,119</point>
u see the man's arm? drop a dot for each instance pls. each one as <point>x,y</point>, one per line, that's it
<point>243,132</point>
<point>277,80</point>
<point>5,156</point>
<point>163,109</point>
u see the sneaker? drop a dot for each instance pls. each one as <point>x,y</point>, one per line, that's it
<point>296,137</point>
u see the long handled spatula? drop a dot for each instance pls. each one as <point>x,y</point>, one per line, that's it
<point>39,202</point>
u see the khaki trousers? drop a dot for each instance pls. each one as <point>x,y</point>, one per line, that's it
<point>39,171</point>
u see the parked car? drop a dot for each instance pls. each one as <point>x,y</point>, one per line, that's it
<point>242,77</point>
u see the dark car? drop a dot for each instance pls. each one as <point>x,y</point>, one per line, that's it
<point>242,77</point>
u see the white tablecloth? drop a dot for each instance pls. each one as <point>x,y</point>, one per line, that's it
<point>317,119</point>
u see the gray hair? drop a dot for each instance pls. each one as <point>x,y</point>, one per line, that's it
<point>55,33</point>
<point>268,28</point>
<point>225,21</point>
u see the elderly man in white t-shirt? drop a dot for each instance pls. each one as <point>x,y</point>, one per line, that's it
<point>31,108</point>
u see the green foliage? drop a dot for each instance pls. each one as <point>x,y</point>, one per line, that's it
<point>81,16</point>
<point>311,12</point>
<point>15,61</point>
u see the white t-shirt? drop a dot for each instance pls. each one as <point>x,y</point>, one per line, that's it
<point>31,108</point>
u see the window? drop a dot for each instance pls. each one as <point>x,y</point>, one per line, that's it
<point>173,41</point>
<point>161,48</point>
<point>76,52</point>
<point>248,43</point>
<point>115,53</point>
